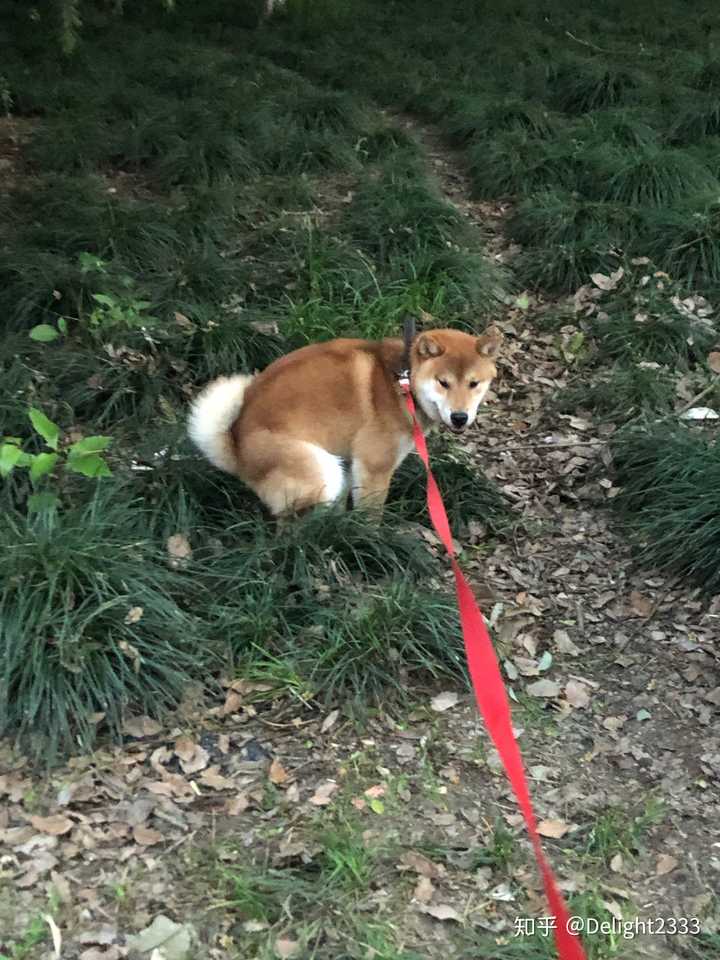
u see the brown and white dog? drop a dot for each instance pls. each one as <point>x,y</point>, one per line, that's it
<point>291,431</point>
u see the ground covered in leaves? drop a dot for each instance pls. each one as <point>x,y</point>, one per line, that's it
<point>325,788</point>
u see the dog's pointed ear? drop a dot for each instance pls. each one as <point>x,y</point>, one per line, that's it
<point>489,343</point>
<point>428,346</point>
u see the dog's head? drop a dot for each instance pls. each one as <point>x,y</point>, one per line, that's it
<point>451,372</point>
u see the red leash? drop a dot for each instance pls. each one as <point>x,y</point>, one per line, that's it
<point>491,696</point>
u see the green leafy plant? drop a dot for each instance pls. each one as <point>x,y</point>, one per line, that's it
<point>82,457</point>
<point>46,333</point>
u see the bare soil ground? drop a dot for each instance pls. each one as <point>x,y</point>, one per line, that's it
<point>615,677</point>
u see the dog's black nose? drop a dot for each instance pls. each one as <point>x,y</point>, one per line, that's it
<point>458,419</point>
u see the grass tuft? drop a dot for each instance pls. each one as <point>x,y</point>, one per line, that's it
<point>70,650</point>
<point>626,393</point>
<point>669,504</point>
<point>567,239</point>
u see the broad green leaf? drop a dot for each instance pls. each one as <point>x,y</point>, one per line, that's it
<point>377,806</point>
<point>42,502</point>
<point>523,301</point>
<point>104,299</point>
<point>89,445</point>
<point>49,431</point>
<point>62,325</point>
<point>42,464</point>
<point>44,333</point>
<point>89,465</point>
<point>9,457</point>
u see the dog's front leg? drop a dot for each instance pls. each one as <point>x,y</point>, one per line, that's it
<point>370,484</point>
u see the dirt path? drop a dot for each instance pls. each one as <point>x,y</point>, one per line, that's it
<point>616,686</point>
<point>637,719</point>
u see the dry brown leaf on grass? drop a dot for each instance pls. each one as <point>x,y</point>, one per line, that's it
<point>329,721</point>
<point>141,727</point>
<point>608,283</point>
<point>577,694</point>
<point>179,550</point>
<point>233,703</point>
<point>193,758</point>
<point>553,828</point>
<point>424,890</point>
<point>441,911</point>
<point>714,361</point>
<point>323,793</point>
<point>286,949</point>
<point>376,791</point>
<point>665,864</point>
<point>444,701</point>
<point>146,836</point>
<point>642,605</point>
<point>215,780</point>
<point>132,653</point>
<point>543,688</point>
<point>56,825</point>
<point>134,614</point>
<point>237,805</point>
<point>421,865</point>
<point>277,773</point>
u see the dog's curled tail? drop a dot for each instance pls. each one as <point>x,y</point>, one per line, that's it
<point>212,415</point>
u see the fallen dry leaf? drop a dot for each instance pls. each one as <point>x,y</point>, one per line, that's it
<point>193,758</point>
<point>133,615</point>
<point>543,688</point>
<point>444,701</point>
<point>714,361</point>
<point>553,828</point>
<point>421,865</point>
<point>141,727</point>
<point>233,703</point>
<point>323,793</point>
<point>616,864</point>
<point>441,911</point>
<point>277,773</point>
<point>424,890</point>
<point>607,283</point>
<point>329,721</point>
<point>215,780</point>
<point>237,805</point>
<point>146,836</point>
<point>179,549</point>
<point>665,864</point>
<point>56,825</point>
<point>642,605</point>
<point>577,694</point>
<point>377,791</point>
<point>286,948</point>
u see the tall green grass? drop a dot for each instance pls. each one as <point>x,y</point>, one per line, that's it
<point>669,502</point>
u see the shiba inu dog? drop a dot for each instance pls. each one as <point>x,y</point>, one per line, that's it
<point>331,416</point>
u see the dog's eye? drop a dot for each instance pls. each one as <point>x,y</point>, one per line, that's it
<point>473,384</point>
<point>444,383</point>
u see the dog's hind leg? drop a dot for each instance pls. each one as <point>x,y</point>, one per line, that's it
<point>296,475</point>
